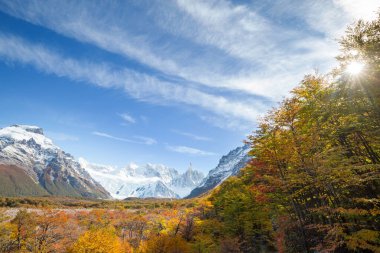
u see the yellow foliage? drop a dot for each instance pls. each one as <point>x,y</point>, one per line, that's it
<point>102,240</point>
<point>7,236</point>
<point>364,240</point>
<point>127,248</point>
<point>167,244</point>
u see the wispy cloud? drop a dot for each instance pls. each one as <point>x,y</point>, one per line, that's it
<point>136,139</point>
<point>140,86</point>
<point>146,140</point>
<point>101,134</point>
<point>220,46</point>
<point>228,45</point>
<point>192,136</point>
<point>189,150</point>
<point>127,118</point>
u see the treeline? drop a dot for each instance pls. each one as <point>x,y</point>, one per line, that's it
<point>70,202</point>
<point>313,184</point>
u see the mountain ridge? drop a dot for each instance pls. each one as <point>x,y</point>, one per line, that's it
<point>48,166</point>
<point>229,165</point>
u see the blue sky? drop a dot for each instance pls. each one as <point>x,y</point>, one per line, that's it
<point>168,82</point>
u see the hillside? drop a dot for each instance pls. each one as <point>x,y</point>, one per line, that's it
<point>15,182</point>
<point>33,165</point>
<point>229,165</point>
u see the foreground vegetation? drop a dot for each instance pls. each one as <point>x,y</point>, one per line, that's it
<point>78,225</point>
<point>313,184</point>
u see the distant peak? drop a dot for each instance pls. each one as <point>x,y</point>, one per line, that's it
<point>190,169</point>
<point>31,129</point>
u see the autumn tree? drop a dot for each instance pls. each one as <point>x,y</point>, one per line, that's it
<point>322,144</point>
<point>101,240</point>
<point>132,229</point>
<point>24,228</point>
<point>49,231</point>
<point>166,244</point>
<point>314,180</point>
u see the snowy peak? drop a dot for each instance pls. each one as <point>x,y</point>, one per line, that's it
<point>25,133</point>
<point>31,129</point>
<point>149,170</point>
<point>229,165</point>
<point>191,178</point>
<point>149,180</point>
<point>48,166</point>
<point>154,190</point>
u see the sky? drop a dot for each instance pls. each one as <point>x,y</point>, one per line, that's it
<point>153,81</point>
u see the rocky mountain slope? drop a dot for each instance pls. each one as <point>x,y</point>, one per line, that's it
<point>32,165</point>
<point>229,165</point>
<point>149,180</point>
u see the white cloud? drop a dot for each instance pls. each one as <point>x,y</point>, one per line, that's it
<point>136,139</point>
<point>189,150</point>
<point>127,118</point>
<point>232,28</point>
<point>192,136</point>
<point>140,86</point>
<point>226,42</point>
<point>221,44</point>
<point>101,134</point>
<point>279,54</point>
<point>146,140</point>
<point>104,32</point>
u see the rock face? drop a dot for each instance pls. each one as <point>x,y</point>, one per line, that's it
<point>229,165</point>
<point>146,181</point>
<point>39,165</point>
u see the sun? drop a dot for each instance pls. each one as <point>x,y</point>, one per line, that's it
<point>354,68</point>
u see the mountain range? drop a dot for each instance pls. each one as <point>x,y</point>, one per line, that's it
<point>149,180</point>
<point>31,165</point>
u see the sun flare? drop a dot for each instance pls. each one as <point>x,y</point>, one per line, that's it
<point>355,68</point>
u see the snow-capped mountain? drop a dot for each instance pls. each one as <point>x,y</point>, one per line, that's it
<point>149,180</point>
<point>229,165</point>
<point>186,182</point>
<point>157,190</point>
<point>26,153</point>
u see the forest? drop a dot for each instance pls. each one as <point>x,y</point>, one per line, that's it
<point>313,184</point>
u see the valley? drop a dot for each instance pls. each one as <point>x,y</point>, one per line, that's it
<point>189,126</point>
<point>27,154</point>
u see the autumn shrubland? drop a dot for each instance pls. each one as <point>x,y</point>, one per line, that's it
<point>118,226</point>
<point>312,185</point>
